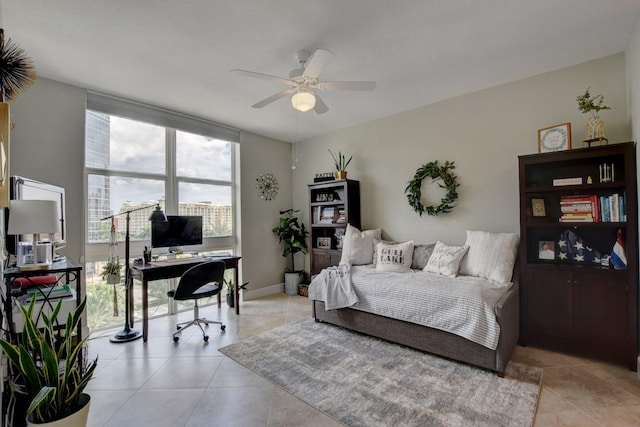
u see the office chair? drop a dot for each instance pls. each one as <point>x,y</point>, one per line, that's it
<point>200,281</point>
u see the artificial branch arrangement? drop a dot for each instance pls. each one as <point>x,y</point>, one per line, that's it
<point>591,104</point>
<point>17,72</point>
<point>340,160</point>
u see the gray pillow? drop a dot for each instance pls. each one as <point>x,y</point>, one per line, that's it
<point>421,255</point>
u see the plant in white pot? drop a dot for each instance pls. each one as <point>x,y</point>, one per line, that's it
<point>47,369</point>
<point>293,235</point>
<point>111,271</point>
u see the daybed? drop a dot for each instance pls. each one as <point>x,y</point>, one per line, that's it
<point>454,280</point>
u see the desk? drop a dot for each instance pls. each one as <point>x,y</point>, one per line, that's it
<point>148,272</point>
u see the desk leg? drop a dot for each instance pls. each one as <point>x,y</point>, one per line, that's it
<point>236,289</point>
<point>145,309</point>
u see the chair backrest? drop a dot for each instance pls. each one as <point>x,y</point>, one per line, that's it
<point>198,276</point>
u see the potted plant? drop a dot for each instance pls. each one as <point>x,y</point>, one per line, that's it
<point>231,298</point>
<point>592,104</point>
<point>111,271</point>
<point>293,235</point>
<point>48,369</point>
<point>341,163</point>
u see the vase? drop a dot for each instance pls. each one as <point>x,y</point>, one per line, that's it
<point>595,128</point>
<point>341,175</point>
<point>231,300</point>
<point>77,419</point>
<point>291,281</point>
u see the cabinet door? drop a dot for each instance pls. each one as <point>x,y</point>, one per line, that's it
<point>324,258</point>
<point>548,304</point>
<point>600,306</point>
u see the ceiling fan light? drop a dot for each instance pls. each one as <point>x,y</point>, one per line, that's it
<point>303,101</point>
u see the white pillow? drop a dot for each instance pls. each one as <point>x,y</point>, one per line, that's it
<point>357,248</point>
<point>394,257</point>
<point>491,255</point>
<point>445,259</point>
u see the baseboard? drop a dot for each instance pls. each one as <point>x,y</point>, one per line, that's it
<point>262,292</point>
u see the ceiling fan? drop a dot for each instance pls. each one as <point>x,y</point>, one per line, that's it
<point>304,82</point>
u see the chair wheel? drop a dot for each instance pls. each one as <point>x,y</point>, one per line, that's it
<point>206,338</point>
<point>176,339</point>
<point>223,327</point>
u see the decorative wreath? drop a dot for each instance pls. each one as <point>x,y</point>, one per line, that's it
<point>435,172</point>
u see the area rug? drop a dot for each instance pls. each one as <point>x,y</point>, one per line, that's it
<point>364,381</point>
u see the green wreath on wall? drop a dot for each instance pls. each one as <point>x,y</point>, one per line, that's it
<point>435,172</point>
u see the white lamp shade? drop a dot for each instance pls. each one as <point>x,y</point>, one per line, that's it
<point>303,101</point>
<point>33,217</point>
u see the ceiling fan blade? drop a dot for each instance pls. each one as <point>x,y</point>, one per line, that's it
<point>273,98</point>
<point>264,77</point>
<point>320,107</point>
<point>363,85</point>
<point>319,60</point>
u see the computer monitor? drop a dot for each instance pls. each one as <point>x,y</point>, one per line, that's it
<point>179,230</point>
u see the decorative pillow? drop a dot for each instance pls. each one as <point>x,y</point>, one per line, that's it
<point>491,255</point>
<point>357,248</point>
<point>446,259</point>
<point>375,248</point>
<point>421,255</point>
<point>394,257</point>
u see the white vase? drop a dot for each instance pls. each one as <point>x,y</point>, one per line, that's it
<point>595,128</point>
<point>291,282</point>
<point>77,419</point>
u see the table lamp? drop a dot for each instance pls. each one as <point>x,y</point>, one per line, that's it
<point>33,217</point>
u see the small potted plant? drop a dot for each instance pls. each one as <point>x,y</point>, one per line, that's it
<point>231,298</point>
<point>593,105</point>
<point>293,235</point>
<point>341,163</point>
<point>48,371</point>
<point>111,271</point>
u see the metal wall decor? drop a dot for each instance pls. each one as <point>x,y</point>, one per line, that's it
<point>267,186</point>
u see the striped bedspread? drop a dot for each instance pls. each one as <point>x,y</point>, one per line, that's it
<point>463,305</point>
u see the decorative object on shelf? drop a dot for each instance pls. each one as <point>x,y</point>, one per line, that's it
<point>554,138</point>
<point>435,172</point>
<point>324,243</point>
<point>607,172</point>
<point>339,235</point>
<point>546,250</point>
<point>293,235</point>
<point>51,374</point>
<point>33,217</point>
<point>129,334</point>
<point>570,248</point>
<point>267,186</point>
<point>341,164</point>
<point>560,182</point>
<point>537,207</point>
<point>17,72</point>
<point>324,176</point>
<point>593,105</point>
<point>618,254</point>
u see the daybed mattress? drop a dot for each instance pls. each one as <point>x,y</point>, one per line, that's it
<point>463,305</point>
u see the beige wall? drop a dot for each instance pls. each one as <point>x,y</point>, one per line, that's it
<point>483,133</point>
<point>47,144</point>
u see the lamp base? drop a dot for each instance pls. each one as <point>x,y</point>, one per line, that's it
<point>126,335</point>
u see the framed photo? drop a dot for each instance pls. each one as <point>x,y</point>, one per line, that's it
<point>554,138</point>
<point>537,207</point>
<point>546,250</point>
<point>324,243</point>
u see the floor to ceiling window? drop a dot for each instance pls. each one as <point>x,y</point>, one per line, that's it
<point>137,157</point>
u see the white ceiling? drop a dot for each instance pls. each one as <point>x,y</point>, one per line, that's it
<point>179,54</point>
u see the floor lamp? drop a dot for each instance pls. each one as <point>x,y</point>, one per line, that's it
<point>129,334</point>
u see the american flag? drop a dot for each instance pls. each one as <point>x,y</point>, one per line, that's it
<point>571,248</point>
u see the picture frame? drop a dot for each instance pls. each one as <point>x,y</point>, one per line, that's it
<point>324,243</point>
<point>546,250</point>
<point>554,138</point>
<point>538,207</point>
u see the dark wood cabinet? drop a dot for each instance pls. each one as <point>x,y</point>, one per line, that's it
<point>572,301</point>
<point>332,205</point>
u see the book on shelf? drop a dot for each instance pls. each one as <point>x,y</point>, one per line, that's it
<point>593,208</point>
<point>47,293</point>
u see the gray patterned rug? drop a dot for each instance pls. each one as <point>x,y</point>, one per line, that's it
<point>363,381</point>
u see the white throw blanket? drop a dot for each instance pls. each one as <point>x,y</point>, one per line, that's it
<point>333,286</point>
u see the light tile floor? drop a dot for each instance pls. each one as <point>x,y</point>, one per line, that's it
<point>161,383</point>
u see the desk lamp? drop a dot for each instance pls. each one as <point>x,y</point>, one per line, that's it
<point>33,217</point>
<point>128,334</point>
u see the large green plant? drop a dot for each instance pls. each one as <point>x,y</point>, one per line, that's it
<point>48,365</point>
<point>292,234</point>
